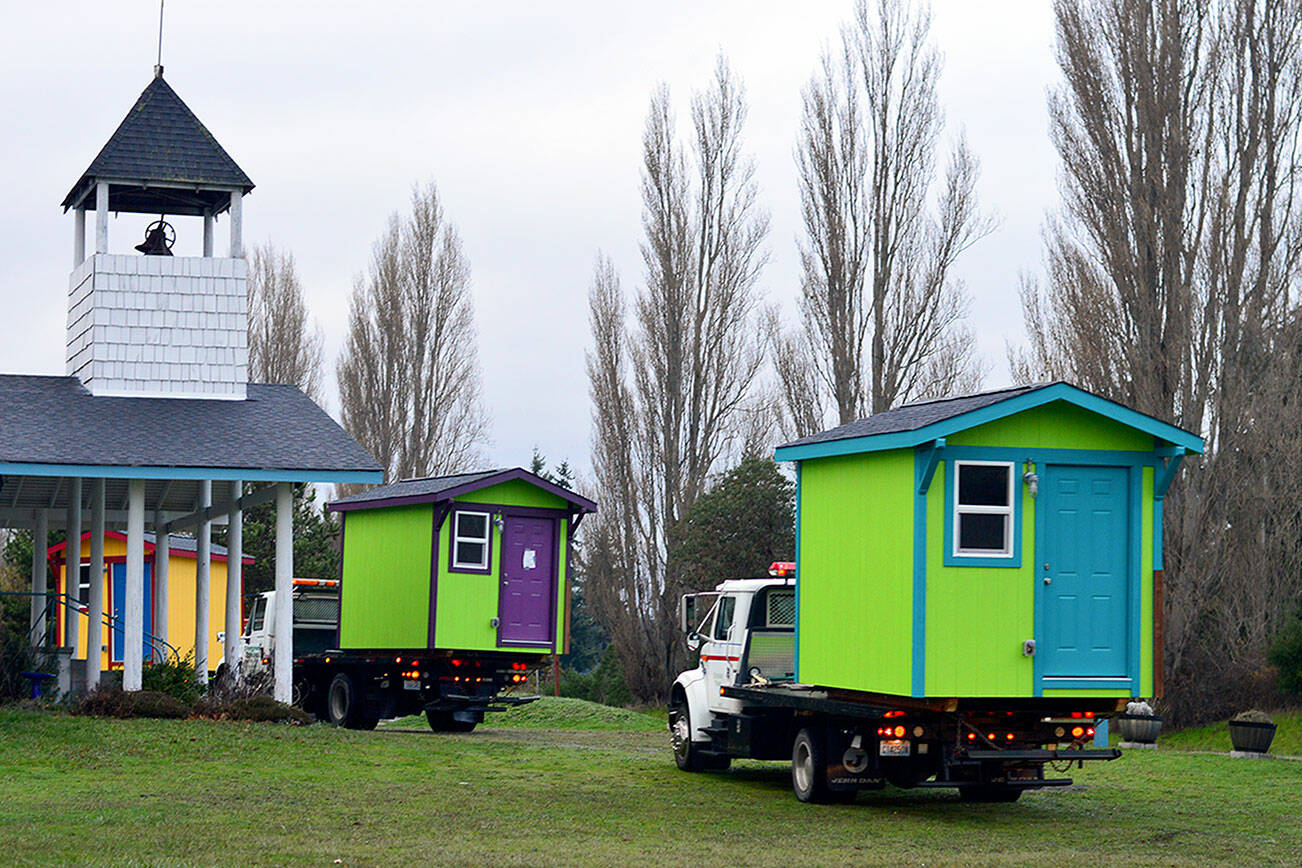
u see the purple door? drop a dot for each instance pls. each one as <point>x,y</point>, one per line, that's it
<point>528,569</point>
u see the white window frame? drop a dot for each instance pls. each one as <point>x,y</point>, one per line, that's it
<point>971,509</point>
<point>458,538</point>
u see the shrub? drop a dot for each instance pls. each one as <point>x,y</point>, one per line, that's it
<point>111,702</point>
<point>1286,655</point>
<point>16,657</point>
<point>255,708</point>
<point>176,677</point>
<point>605,684</point>
<point>1252,716</point>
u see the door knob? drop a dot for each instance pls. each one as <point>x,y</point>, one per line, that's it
<point>1048,581</point>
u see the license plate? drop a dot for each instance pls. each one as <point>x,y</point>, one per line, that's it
<point>895,747</point>
<point>411,684</point>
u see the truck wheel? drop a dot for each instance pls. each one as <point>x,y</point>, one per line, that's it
<point>687,753</point>
<point>990,793</point>
<point>443,721</point>
<point>345,705</point>
<point>809,769</point>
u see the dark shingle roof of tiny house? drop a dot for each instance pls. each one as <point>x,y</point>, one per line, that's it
<point>442,488</point>
<point>912,424</point>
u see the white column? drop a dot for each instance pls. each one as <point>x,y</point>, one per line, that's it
<point>72,567</point>
<point>78,236</point>
<point>40,533</point>
<point>202,596</point>
<point>207,232</point>
<point>237,225</point>
<point>133,607</point>
<point>95,595</point>
<point>101,217</point>
<point>234,580</point>
<point>162,564</point>
<point>284,623</point>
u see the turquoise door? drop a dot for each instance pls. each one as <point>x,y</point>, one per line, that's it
<point>1084,575</point>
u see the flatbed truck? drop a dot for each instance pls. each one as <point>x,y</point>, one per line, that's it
<point>357,688</point>
<point>742,701</point>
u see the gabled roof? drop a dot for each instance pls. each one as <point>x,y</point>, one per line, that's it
<point>914,424</point>
<point>161,142</point>
<point>436,489</point>
<point>54,426</point>
<point>178,544</point>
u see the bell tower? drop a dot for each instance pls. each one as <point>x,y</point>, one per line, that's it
<point>147,323</point>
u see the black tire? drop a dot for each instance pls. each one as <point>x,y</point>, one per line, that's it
<point>443,721</point>
<point>345,705</point>
<point>688,754</point>
<point>990,793</point>
<point>809,769</point>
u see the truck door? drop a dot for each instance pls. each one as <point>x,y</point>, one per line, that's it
<point>721,652</point>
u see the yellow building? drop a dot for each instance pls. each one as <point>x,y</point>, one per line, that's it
<point>180,614</point>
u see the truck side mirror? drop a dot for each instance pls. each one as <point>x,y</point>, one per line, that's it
<point>687,615</point>
<point>693,642</point>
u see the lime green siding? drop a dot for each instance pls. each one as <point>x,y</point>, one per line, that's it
<point>385,587</point>
<point>856,566</point>
<point>858,587</point>
<point>977,617</point>
<point>467,602</point>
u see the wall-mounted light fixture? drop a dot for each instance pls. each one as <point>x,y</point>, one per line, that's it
<point>1031,479</point>
<point>498,521</point>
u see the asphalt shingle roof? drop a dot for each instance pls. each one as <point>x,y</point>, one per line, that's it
<point>56,420</point>
<point>160,140</point>
<point>911,417</point>
<point>430,488</point>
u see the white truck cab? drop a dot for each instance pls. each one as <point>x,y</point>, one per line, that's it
<point>747,635</point>
<point>316,618</point>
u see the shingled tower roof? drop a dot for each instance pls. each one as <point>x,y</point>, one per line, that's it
<point>162,159</point>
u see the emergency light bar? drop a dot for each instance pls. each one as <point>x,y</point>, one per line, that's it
<point>316,583</point>
<point>782,570</point>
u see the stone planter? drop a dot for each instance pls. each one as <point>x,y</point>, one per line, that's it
<point>1138,728</point>
<point>1251,737</point>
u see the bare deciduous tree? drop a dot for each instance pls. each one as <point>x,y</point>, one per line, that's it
<point>409,373</point>
<point>881,312</point>
<point>669,390</point>
<point>283,346</point>
<point>1173,272</point>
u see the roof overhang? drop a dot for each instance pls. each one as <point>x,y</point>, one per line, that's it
<point>578,503</point>
<point>216,474</point>
<point>1161,431</point>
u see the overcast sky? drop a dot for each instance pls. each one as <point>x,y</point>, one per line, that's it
<point>528,116</point>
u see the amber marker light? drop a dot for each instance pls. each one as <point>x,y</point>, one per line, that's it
<point>1077,731</point>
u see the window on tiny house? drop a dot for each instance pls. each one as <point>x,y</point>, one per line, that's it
<point>470,543</point>
<point>983,509</point>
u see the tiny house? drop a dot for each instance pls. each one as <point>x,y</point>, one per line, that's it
<point>1004,544</point>
<point>475,562</point>
<point>179,611</point>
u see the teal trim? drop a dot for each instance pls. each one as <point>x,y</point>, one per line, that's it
<point>1157,536</point>
<point>1164,476</point>
<point>1010,456</point>
<point>923,465</point>
<point>1037,592</point>
<point>1086,683</point>
<point>932,453</point>
<point>1136,564</point>
<point>1008,407</point>
<point>97,471</point>
<point>795,662</point>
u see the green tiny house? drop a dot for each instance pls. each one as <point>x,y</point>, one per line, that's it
<point>1006,544</point>
<point>470,562</point>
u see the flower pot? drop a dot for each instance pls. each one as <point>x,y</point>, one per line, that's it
<point>1251,737</point>
<point>1140,728</point>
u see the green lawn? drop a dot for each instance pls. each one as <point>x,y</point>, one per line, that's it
<point>109,792</point>
<point>1216,736</point>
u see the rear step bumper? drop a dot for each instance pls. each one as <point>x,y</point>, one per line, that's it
<point>1046,755</point>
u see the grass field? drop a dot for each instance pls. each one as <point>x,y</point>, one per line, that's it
<point>1216,737</point>
<point>109,792</point>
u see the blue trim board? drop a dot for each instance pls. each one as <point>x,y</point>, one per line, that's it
<point>1136,584</point>
<point>1086,683</point>
<point>795,654</point>
<point>1037,586</point>
<point>1025,401</point>
<point>919,672</point>
<point>925,472</point>
<point>96,471</point>
<point>953,560</point>
<point>1157,534</point>
<point>1164,476</point>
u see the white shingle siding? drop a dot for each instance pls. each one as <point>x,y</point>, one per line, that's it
<point>155,325</point>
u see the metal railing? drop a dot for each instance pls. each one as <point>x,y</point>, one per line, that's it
<point>159,649</point>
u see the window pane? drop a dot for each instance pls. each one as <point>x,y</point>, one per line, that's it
<point>472,524</point>
<point>726,607</point>
<point>982,485</point>
<point>259,613</point>
<point>980,531</point>
<point>470,554</point>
